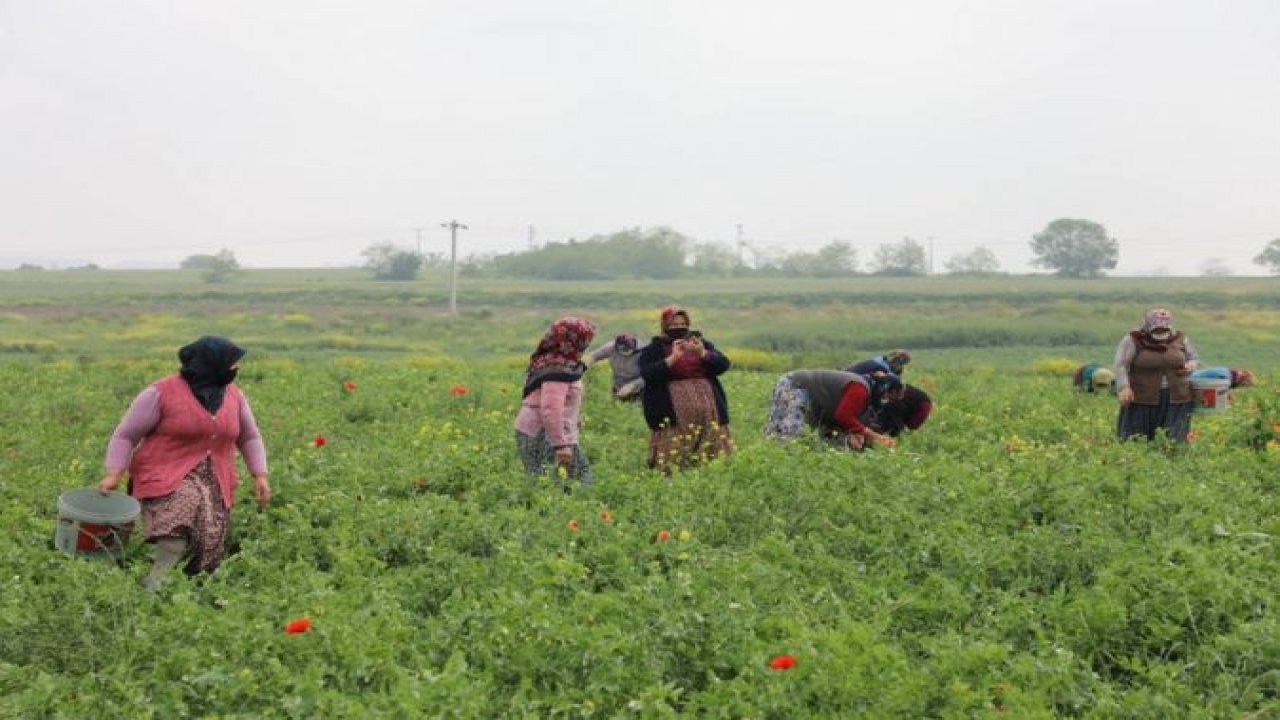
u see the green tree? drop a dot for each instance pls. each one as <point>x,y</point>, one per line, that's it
<point>978,261</point>
<point>1075,248</point>
<point>653,253</point>
<point>713,259</point>
<point>221,268</point>
<point>1270,257</point>
<point>835,259</point>
<point>901,258</point>
<point>389,262</point>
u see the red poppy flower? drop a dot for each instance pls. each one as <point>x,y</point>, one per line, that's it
<point>349,386</point>
<point>662,536</point>
<point>606,516</point>
<point>459,390</point>
<point>420,483</point>
<point>301,625</point>
<point>573,524</point>
<point>782,662</point>
<point>1191,436</point>
<point>319,441</point>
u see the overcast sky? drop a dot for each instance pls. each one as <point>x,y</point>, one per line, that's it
<point>299,132</point>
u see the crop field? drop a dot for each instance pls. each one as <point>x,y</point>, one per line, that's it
<point>1009,559</point>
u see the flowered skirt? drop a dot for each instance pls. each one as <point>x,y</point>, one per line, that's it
<point>195,512</point>
<point>1143,420</point>
<point>698,435</point>
<point>787,413</point>
<point>539,457</point>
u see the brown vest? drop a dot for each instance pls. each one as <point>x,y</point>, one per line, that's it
<point>1149,368</point>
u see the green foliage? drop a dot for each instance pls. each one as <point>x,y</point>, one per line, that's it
<point>978,261</point>
<point>222,268</point>
<point>902,258</point>
<point>391,263</point>
<point>1009,556</point>
<point>653,253</point>
<point>1270,257</point>
<point>1075,248</point>
<point>835,259</point>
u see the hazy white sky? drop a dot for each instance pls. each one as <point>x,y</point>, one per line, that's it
<point>299,132</point>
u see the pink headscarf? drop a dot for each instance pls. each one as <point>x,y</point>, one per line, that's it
<point>1158,318</point>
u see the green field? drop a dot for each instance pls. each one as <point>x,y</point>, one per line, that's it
<point>1010,557</point>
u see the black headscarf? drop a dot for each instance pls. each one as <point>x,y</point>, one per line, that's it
<point>206,366</point>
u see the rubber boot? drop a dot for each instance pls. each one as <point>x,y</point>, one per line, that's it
<point>168,552</point>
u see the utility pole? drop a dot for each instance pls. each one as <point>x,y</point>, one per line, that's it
<point>530,237</point>
<point>418,232</point>
<point>741,242</point>
<point>930,254</point>
<point>453,226</point>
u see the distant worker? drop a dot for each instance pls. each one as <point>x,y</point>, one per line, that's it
<point>1093,377</point>
<point>548,422</point>
<point>623,354</point>
<point>893,362</point>
<point>1153,379</point>
<point>831,402</point>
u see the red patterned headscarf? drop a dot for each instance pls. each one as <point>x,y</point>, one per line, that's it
<point>563,345</point>
<point>669,314</point>
<point>1158,318</point>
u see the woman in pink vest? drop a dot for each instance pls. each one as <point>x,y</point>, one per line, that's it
<point>178,442</point>
<point>547,424</point>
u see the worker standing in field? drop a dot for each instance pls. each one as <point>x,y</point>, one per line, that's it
<point>623,354</point>
<point>547,424</point>
<point>834,403</point>
<point>1153,368</point>
<point>684,404</point>
<point>893,362</point>
<point>178,442</point>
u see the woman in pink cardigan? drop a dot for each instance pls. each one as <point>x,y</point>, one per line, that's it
<point>178,442</point>
<point>547,424</point>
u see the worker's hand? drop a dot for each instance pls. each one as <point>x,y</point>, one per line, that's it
<point>564,456</point>
<point>110,481</point>
<point>697,348</point>
<point>882,440</point>
<point>629,389</point>
<point>856,441</point>
<point>261,491</point>
<point>1125,395</point>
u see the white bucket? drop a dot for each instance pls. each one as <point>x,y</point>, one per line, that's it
<point>1211,394</point>
<point>91,524</point>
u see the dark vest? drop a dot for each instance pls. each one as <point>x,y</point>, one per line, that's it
<point>825,388</point>
<point>1149,368</point>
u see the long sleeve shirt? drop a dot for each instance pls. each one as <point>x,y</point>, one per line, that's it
<point>554,408</point>
<point>626,368</point>
<point>143,416</point>
<point>1126,351</point>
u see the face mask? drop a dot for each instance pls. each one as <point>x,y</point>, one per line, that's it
<point>1161,334</point>
<point>678,333</point>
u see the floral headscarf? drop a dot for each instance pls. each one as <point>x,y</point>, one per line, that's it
<point>563,345</point>
<point>1158,318</point>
